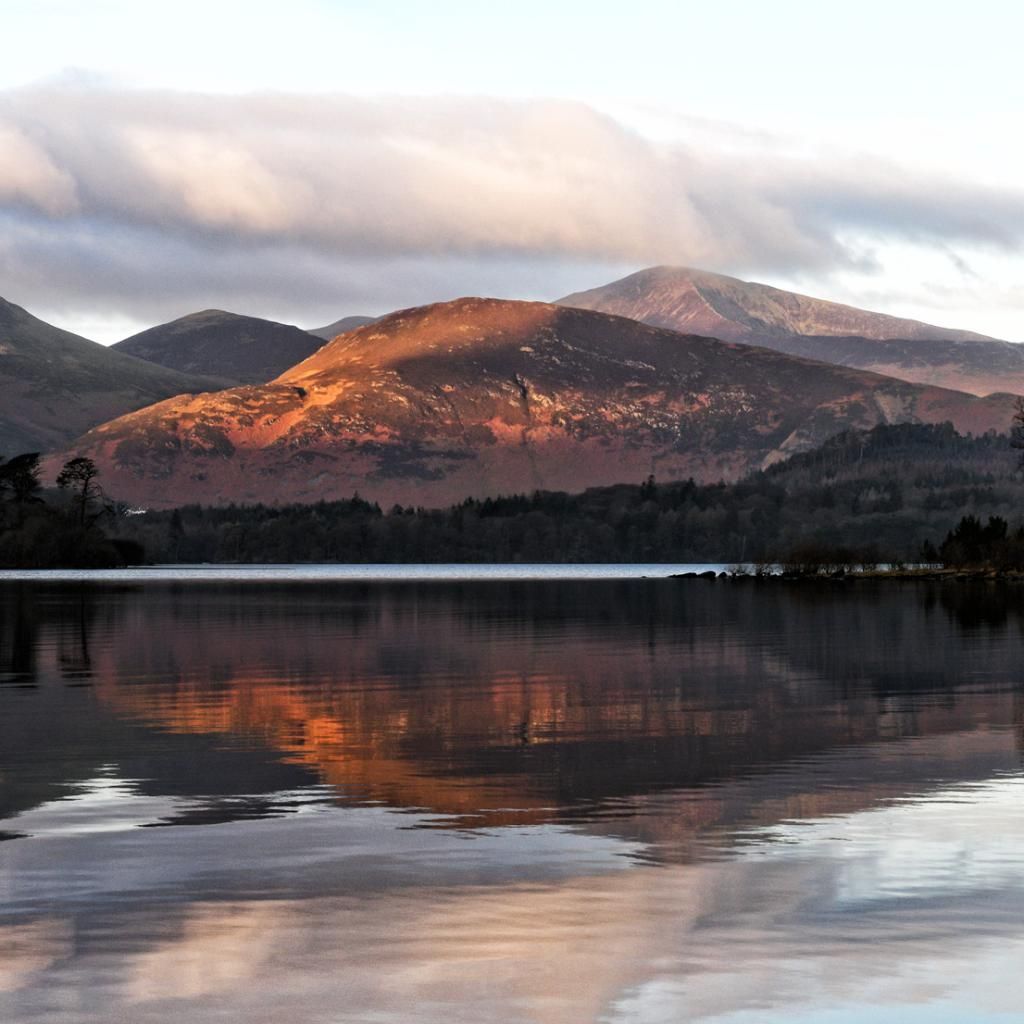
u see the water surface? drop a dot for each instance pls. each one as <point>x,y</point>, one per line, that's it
<point>509,799</point>
<point>339,572</point>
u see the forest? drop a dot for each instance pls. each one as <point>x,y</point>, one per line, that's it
<point>893,494</point>
<point>890,494</point>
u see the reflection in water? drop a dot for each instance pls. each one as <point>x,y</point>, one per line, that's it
<point>610,800</point>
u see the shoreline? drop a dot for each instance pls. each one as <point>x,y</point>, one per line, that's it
<point>922,575</point>
<point>357,572</point>
<point>498,572</point>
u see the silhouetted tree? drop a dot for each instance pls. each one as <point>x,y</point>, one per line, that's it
<point>19,486</point>
<point>972,542</point>
<point>1017,428</point>
<point>19,477</point>
<point>79,476</point>
<point>176,533</point>
<point>37,535</point>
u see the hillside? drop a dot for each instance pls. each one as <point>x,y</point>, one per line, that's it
<point>55,385</point>
<point>479,397</point>
<point>694,301</point>
<point>241,349</point>
<point>889,489</point>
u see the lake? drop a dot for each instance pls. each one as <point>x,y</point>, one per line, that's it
<point>317,796</point>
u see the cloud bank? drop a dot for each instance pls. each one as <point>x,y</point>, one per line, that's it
<point>154,203</point>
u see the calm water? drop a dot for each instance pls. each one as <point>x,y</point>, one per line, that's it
<point>359,573</point>
<point>629,800</point>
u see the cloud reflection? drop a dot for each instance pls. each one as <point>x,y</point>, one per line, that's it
<point>769,935</point>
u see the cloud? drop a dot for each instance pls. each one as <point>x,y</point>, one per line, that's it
<point>29,176</point>
<point>90,273</point>
<point>147,199</point>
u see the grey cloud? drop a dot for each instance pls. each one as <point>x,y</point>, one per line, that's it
<point>149,275</point>
<point>147,201</point>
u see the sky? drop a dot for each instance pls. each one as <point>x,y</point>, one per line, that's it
<point>316,159</point>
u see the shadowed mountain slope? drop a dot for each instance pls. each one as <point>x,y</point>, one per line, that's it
<point>483,396</point>
<point>242,349</point>
<point>342,326</point>
<point>54,385</point>
<point>694,301</point>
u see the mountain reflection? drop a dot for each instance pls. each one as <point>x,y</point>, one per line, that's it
<point>658,711</point>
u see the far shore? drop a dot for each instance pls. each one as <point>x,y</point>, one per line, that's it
<point>918,574</point>
<point>325,572</point>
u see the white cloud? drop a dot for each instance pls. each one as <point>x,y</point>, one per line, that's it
<point>155,199</point>
<point>436,175</point>
<point>27,175</point>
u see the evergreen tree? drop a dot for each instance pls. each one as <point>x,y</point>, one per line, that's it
<point>79,477</point>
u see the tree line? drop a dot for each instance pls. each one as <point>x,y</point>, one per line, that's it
<point>903,493</point>
<point>891,494</point>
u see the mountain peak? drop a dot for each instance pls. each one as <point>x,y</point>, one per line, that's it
<point>403,332</point>
<point>56,384</point>
<point>231,346</point>
<point>458,328</point>
<point>698,301</point>
<point>746,310</point>
<point>347,323</point>
<point>211,314</point>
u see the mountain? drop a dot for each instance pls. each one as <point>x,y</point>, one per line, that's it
<point>242,349</point>
<point>342,326</point>
<point>55,385</point>
<point>694,301</point>
<point>483,396</point>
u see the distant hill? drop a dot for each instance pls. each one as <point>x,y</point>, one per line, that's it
<point>342,326</point>
<point>55,385</point>
<point>695,301</point>
<point>242,349</point>
<point>479,397</point>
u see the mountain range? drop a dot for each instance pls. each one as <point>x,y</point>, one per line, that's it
<point>483,396</point>
<point>55,385</point>
<point>695,301</point>
<point>670,371</point>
